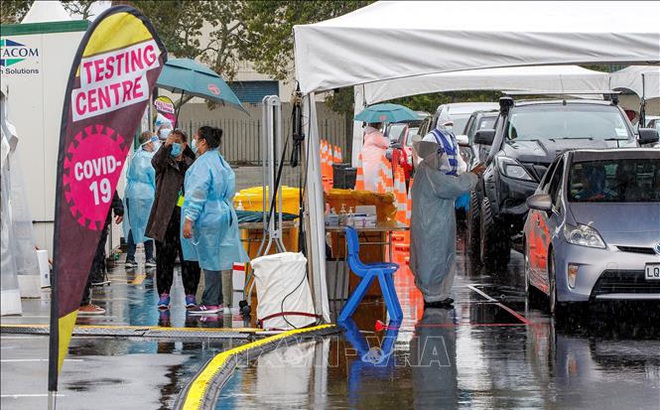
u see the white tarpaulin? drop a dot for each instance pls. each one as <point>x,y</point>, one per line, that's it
<point>541,78</point>
<point>631,78</point>
<point>388,40</point>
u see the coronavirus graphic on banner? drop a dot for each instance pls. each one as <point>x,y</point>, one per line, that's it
<point>88,178</point>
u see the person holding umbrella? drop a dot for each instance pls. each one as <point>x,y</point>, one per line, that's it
<point>375,144</point>
<point>373,152</point>
<point>210,225</point>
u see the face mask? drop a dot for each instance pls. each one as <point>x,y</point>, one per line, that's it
<point>194,146</point>
<point>448,128</point>
<point>164,133</point>
<point>177,149</point>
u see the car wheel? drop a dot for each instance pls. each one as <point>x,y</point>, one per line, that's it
<point>473,224</point>
<point>556,308</point>
<point>494,238</point>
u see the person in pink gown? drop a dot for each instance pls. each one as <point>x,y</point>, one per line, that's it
<point>373,151</point>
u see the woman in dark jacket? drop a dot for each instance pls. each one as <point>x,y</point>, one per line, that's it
<point>171,163</point>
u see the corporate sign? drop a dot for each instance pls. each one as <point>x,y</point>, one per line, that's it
<point>18,58</point>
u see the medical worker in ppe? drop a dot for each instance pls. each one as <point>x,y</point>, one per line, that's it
<point>433,221</point>
<point>373,152</point>
<point>210,226</point>
<point>138,198</point>
<point>443,134</point>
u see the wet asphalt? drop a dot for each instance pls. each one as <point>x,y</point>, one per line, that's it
<point>495,349</point>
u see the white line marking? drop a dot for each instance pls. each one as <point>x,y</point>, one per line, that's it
<point>490,299</point>
<point>18,396</point>
<point>36,360</point>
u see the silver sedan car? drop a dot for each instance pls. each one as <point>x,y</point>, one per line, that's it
<point>593,229</point>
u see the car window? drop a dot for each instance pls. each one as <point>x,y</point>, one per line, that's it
<point>555,182</point>
<point>617,180</point>
<point>411,131</point>
<point>558,121</point>
<point>548,177</point>
<point>394,131</point>
<point>487,123</point>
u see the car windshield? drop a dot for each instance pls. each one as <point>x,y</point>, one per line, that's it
<point>623,180</point>
<point>411,131</point>
<point>570,121</point>
<point>395,131</point>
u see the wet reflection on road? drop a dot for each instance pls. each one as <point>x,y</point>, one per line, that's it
<point>494,350</point>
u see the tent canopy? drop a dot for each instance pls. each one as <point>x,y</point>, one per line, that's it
<point>541,78</point>
<point>388,40</point>
<point>46,11</point>
<point>631,78</point>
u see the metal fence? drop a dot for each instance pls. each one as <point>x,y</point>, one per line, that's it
<point>241,137</point>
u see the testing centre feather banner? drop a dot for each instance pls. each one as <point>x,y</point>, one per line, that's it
<point>112,75</point>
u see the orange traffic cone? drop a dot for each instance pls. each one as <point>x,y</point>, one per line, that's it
<point>400,192</point>
<point>359,180</point>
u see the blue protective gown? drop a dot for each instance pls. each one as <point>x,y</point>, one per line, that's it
<point>209,189</point>
<point>433,223</point>
<point>139,194</point>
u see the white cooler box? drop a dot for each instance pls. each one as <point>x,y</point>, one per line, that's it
<point>283,277</point>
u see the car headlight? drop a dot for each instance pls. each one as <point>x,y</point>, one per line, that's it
<point>513,169</point>
<point>583,235</point>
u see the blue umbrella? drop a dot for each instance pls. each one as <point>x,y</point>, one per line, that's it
<point>386,113</point>
<point>186,76</point>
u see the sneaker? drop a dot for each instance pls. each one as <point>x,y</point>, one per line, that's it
<point>130,263</point>
<point>191,301</point>
<point>164,301</point>
<point>91,310</point>
<point>150,263</point>
<point>204,309</point>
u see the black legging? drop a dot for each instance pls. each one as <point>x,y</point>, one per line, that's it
<point>166,252</point>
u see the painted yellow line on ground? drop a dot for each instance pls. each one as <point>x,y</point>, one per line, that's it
<point>195,395</point>
<point>138,280</point>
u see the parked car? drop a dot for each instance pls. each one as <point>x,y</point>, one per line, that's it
<point>400,136</point>
<point>593,230</point>
<point>527,137</point>
<point>479,120</point>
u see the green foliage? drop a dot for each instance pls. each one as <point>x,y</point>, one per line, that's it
<point>269,30</point>
<point>81,8</point>
<point>13,11</point>
<point>179,24</point>
<point>429,102</point>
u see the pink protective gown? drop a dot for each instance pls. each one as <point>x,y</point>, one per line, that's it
<point>373,151</point>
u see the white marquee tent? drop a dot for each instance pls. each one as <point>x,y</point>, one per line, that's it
<point>390,40</point>
<point>631,78</point>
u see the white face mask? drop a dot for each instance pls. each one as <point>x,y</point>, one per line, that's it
<point>449,127</point>
<point>164,133</point>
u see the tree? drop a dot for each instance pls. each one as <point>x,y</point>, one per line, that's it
<point>80,8</point>
<point>13,11</point>
<point>269,42</point>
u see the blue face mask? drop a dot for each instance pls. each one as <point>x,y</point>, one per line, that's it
<point>177,149</point>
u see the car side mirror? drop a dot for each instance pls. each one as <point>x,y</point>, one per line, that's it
<point>484,137</point>
<point>647,136</point>
<point>542,202</point>
<point>388,153</point>
<point>463,140</point>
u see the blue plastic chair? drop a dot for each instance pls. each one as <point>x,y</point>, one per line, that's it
<point>368,272</point>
